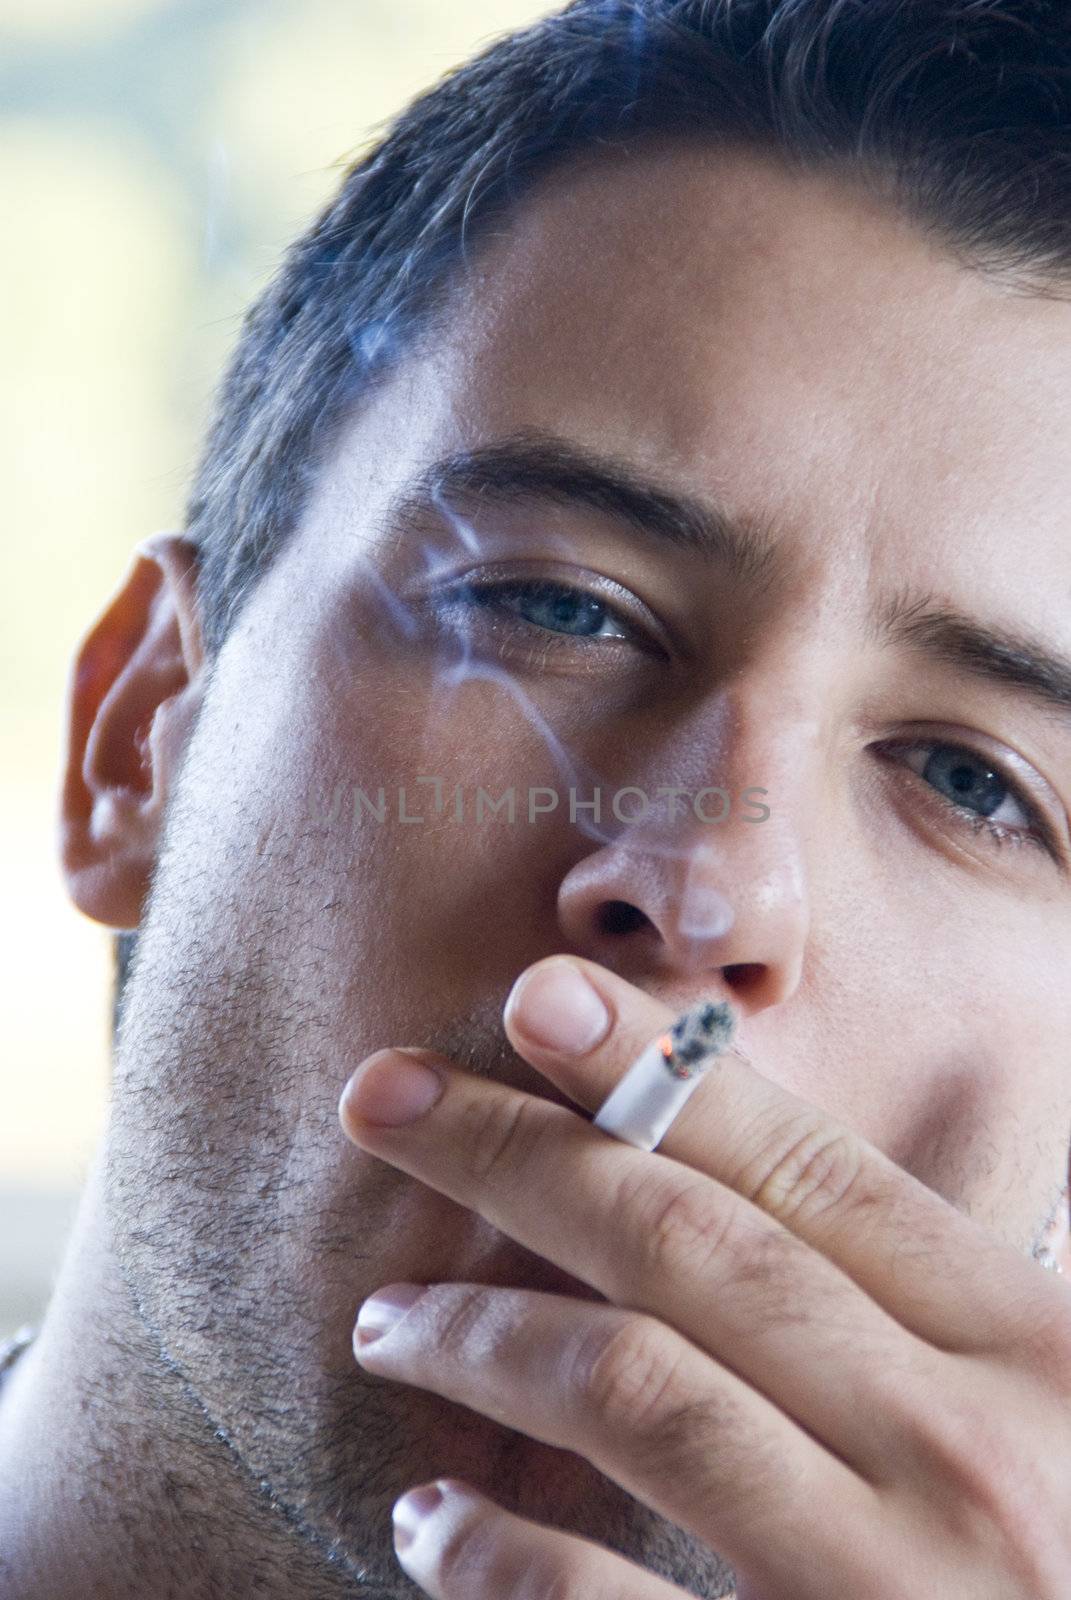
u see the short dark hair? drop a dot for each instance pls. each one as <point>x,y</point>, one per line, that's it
<point>956,111</point>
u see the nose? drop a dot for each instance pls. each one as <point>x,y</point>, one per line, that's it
<point>722,906</point>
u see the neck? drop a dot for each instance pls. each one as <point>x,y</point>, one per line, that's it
<point>113,1482</point>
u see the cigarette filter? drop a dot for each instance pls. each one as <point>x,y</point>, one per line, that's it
<point>659,1081</point>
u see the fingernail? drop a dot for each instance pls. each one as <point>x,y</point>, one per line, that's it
<point>558,1009</point>
<point>413,1509</point>
<point>383,1309</point>
<point>391,1088</point>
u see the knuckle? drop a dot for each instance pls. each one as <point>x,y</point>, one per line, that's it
<point>502,1133</point>
<point>457,1314</point>
<point>813,1172</point>
<point>636,1385</point>
<point>682,1231</point>
<point>625,1375</point>
<point>759,1271</point>
<point>688,1232</point>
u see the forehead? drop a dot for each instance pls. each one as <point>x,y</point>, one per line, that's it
<point>702,271</point>
<point>784,340</point>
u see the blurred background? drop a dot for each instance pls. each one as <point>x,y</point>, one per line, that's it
<point>155,158</point>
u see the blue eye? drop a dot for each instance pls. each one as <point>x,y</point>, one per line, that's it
<point>966,779</point>
<point>561,610</point>
<point>557,608</point>
<point>979,795</point>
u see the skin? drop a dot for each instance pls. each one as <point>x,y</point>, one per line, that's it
<point>191,1419</point>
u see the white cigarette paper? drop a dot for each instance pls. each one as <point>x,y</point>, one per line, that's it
<point>655,1087</point>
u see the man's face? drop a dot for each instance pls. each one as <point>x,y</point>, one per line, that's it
<point>890,430</point>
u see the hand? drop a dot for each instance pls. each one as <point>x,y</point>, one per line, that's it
<point>808,1359</point>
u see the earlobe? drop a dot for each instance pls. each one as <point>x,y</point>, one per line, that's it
<point>134,692</point>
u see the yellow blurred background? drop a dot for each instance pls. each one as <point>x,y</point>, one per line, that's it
<point>155,158</point>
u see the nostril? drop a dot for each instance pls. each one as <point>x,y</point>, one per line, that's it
<point>744,975</point>
<point>620,916</point>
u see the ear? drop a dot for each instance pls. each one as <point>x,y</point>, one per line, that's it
<point>133,694</point>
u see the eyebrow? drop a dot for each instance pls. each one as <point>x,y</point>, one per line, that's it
<point>539,466</point>
<point>991,653</point>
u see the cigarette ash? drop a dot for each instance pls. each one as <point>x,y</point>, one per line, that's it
<point>697,1037</point>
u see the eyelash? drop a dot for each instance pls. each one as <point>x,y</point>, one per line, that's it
<point>999,835</point>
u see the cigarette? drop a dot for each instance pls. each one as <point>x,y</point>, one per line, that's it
<point>660,1080</point>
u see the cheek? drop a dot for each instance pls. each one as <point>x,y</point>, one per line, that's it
<point>990,962</point>
<point>936,1022</point>
<point>423,881</point>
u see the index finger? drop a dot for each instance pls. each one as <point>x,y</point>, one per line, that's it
<point>933,1268</point>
